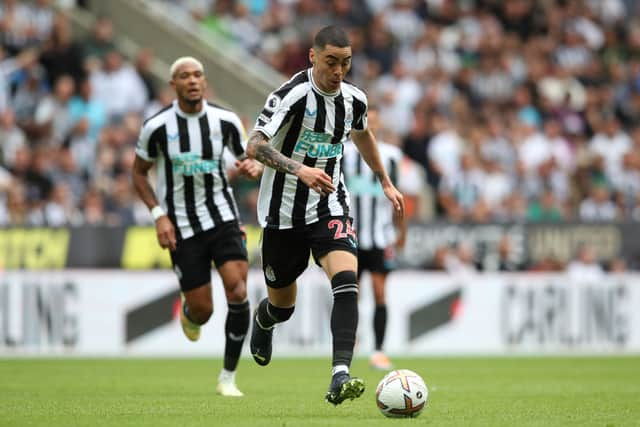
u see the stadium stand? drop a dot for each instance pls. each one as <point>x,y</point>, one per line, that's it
<point>507,112</point>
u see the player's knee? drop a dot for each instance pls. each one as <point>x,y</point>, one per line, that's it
<point>236,291</point>
<point>344,283</point>
<point>200,311</point>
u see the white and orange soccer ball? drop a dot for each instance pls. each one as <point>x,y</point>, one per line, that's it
<point>401,394</point>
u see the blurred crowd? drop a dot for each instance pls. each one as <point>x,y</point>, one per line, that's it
<point>70,112</point>
<point>507,111</point>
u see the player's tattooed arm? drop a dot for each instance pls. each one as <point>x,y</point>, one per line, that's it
<point>317,179</point>
<point>259,148</point>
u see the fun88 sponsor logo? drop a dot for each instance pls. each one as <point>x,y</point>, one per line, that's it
<point>191,164</point>
<point>317,145</point>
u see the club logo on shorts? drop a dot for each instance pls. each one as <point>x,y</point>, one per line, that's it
<point>269,273</point>
<point>178,272</point>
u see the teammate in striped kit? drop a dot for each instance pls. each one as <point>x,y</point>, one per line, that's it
<point>379,230</point>
<point>303,205</point>
<point>195,214</point>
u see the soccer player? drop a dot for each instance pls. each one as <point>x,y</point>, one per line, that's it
<point>378,229</point>
<point>195,213</point>
<point>303,204</point>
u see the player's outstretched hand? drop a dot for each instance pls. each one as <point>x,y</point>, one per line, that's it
<point>317,180</point>
<point>250,168</point>
<point>395,197</point>
<point>166,233</point>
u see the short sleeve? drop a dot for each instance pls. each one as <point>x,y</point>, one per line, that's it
<point>146,147</point>
<point>235,136</point>
<point>359,113</point>
<point>276,110</point>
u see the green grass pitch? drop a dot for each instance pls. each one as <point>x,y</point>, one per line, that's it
<point>562,391</point>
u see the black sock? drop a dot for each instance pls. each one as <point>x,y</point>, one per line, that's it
<point>344,316</point>
<point>269,314</point>
<point>380,324</point>
<point>235,329</point>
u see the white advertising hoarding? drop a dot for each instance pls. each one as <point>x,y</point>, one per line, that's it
<point>115,312</point>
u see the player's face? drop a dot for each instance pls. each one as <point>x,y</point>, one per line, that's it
<point>330,66</point>
<point>189,83</point>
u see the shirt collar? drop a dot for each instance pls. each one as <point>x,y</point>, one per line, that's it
<point>181,113</point>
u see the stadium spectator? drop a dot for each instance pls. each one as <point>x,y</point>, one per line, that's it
<point>100,42</point>
<point>93,208</point>
<point>598,207</point>
<point>26,97</point>
<point>18,31</point>
<point>545,208</point>
<point>42,17</point>
<point>88,117</point>
<point>496,187</point>
<point>143,62</point>
<point>60,209</point>
<point>460,193</point>
<point>12,138</point>
<point>611,143</point>
<point>52,118</point>
<point>9,66</point>
<point>118,87</point>
<point>460,260</point>
<point>68,174</point>
<point>585,267</point>
<point>61,55</point>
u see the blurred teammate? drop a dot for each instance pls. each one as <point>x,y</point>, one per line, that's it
<point>195,213</point>
<point>374,222</point>
<point>303,203</point>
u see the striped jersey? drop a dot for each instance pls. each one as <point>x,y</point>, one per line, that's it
<point>310,126</point>
<point>372,211</point>
<point>192,184</point>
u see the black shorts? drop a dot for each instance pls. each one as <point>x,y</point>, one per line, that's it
<point>285,253</point>
<point>192,258</point>
<point>376,260</point>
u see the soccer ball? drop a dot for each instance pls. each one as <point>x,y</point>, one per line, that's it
<point>401,394</point>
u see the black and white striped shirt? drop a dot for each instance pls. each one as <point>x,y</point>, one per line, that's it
<point>372,211</point>
<point>192,185</point>
<point>310,126</point>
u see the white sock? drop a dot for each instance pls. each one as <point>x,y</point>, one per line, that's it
<point>226,376</point>
<point>339,368</point>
